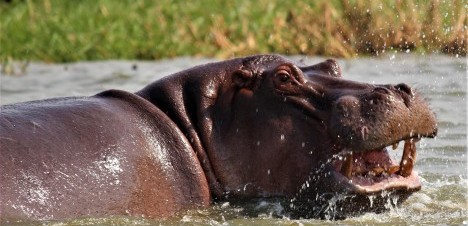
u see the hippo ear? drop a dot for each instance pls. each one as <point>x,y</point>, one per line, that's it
<point>242,78</point>
<point>329,67</point>
<point>334,68</point>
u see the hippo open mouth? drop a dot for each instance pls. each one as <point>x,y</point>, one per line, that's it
<point>360,182</point>
<point>374,171</point>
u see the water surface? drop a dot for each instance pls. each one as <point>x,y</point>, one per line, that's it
<point>441,164</point>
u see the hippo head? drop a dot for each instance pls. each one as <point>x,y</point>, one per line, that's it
<point>263,126</point>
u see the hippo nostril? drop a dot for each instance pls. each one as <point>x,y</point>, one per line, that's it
<point>405,88</point>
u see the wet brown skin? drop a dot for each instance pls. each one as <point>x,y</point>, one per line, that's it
<point>111,154</point>
<point>246,128</point>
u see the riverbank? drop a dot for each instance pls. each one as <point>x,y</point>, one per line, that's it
<point>65,31</point>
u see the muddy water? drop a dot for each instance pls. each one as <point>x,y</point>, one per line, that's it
<point>442,162</point>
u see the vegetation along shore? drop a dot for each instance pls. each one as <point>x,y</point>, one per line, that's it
<point>64,31</point>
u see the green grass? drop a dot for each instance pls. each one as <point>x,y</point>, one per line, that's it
<point>72,30</point>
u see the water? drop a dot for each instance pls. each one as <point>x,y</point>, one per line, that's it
<point>442,162</point>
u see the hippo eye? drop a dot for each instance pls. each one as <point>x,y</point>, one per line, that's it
<point>283,76</point>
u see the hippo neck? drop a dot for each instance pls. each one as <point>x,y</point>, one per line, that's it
<point>186,107</point>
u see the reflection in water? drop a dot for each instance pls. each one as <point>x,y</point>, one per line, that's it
<point>442,162</point>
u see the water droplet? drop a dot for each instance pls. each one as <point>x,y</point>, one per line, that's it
<point>224,205</point>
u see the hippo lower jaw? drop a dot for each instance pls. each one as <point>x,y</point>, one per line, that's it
<point>374,171</point>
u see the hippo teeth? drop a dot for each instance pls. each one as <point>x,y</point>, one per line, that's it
<point>347,167</point>
<point>408,158</point>
<point>395,145</point>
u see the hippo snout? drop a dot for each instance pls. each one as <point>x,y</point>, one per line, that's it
<point>388,113</point>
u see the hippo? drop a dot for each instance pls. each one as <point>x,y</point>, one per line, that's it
<point>257,127</point>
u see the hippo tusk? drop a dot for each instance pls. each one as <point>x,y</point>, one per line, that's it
<point>408,158</point>
<point>395,145</point>
<point>347,167</point>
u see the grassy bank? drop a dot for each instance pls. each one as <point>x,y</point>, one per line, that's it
<point>63,31</point>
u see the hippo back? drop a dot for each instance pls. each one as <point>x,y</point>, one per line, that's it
<point>111,154</point>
